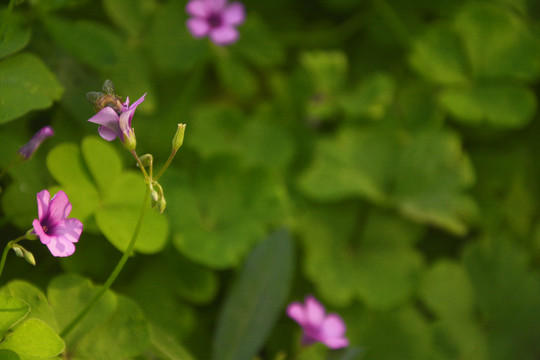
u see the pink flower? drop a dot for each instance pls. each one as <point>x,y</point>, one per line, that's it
<point>216,19</point>
<point>318,327</point>
<point>114,125</point>
<point>30,148</point>
<point>53,227</point>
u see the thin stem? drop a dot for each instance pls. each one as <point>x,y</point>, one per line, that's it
<point>164,167</point>
<point>148,179</point>
<point>9,245</point>
<point>393,20</point>
<point>115,272</point>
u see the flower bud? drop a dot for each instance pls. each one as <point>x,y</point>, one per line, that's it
<point>30,148</point>
<point>178,139</point>
<point>161,204</point>
<point>129,140</point>
<point>146,159</point>
<point>29,257</point>
<point>18,250</point>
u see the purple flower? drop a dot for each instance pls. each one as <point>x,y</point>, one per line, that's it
<point>216,19</point>
<point>53,227</point>
<point>318,327</point>
<point>30,148</point>
<point>114,125</point>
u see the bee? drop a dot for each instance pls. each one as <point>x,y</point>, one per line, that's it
<point>106,98</point>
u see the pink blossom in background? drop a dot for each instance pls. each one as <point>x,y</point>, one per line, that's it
<point>317,325</point>
<point>52,225</point>
<point>30,148</point>
<point>114,125</point>
<point>216,19</point>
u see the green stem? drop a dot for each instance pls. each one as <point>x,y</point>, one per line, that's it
<point>115,272</point>
<point>164,167</point>
<point>393,21</point>
<point>5,20</point>
<point>9,245</point>
<point>141,166</point>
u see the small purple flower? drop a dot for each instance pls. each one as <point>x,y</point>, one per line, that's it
<point>318,327</point>
<point>30,148</point>
<point>53,227</point>
<point>114,125</point>
<point>216,19</point>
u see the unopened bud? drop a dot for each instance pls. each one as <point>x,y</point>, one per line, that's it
<point>178,139</point>
<point>129,140</point>
<point>146,159</point>
<point>30,148</point>
<point>29,257</point>
<point>18,250</point>
<point>161,204</point>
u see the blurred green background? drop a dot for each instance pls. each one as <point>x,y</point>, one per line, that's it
<point>394,139</point>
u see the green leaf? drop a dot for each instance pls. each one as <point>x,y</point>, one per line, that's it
<point>168,345</point>
<point>255,301</point>
<point>68,295</point>
<point>236,77</point>
<point>65,164</point>
<point>327,70</point>
<point>439,56</point>
<point>172,46</point>
<point>39,306</point>
<point>497,265</point>
<point>34,339</point>
<point>131,16</point>
<point>220,212</point>
<point>90,42</point>
<point>26,84</point>
<point>257,43</point>
<point>8,355</point>
<point>118,216</point>
<point>353,255</point>
<point>499,105</point>
<point>12,310</point>
<point>499,42</point>
<point>16,36</point>
<point>371,98</point>
<point>124,334</point>
<point>448,291</point>
<point>102,161</point>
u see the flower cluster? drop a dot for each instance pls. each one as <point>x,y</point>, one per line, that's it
<point>317,326</point>
<point>215,19</point>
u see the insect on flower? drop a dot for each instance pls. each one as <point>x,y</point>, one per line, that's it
<point>107,98</point>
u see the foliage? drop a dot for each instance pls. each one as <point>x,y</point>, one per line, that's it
<point>378,154</point>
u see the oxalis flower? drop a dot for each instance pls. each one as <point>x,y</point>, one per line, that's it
<point>215,19</point>
<point>115,125</point>
<point>30,147</point>
<point>317,326</point>
<point>53,227</point>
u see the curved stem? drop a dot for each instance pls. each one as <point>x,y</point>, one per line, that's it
<point>115,272</point>
<point>141,166</point>
<point>9,245</point>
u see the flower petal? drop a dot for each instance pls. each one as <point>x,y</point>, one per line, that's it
<point>30,148</point>
<point>136,103</point>
<point>38,229</point>
<point>197,8</point>
<point>297,313</point>
<point>59,209</point>
<point>314,311</point>
<point>43,198</point>
<point>224,35</point>
<point>333,326</point>
<point>198,27</point>
<point>107,134</point>
<point>336,343</point>
<point>216,5</point>
<point>234,14</point>
<point>59,246</point>
<point>70,230</point>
